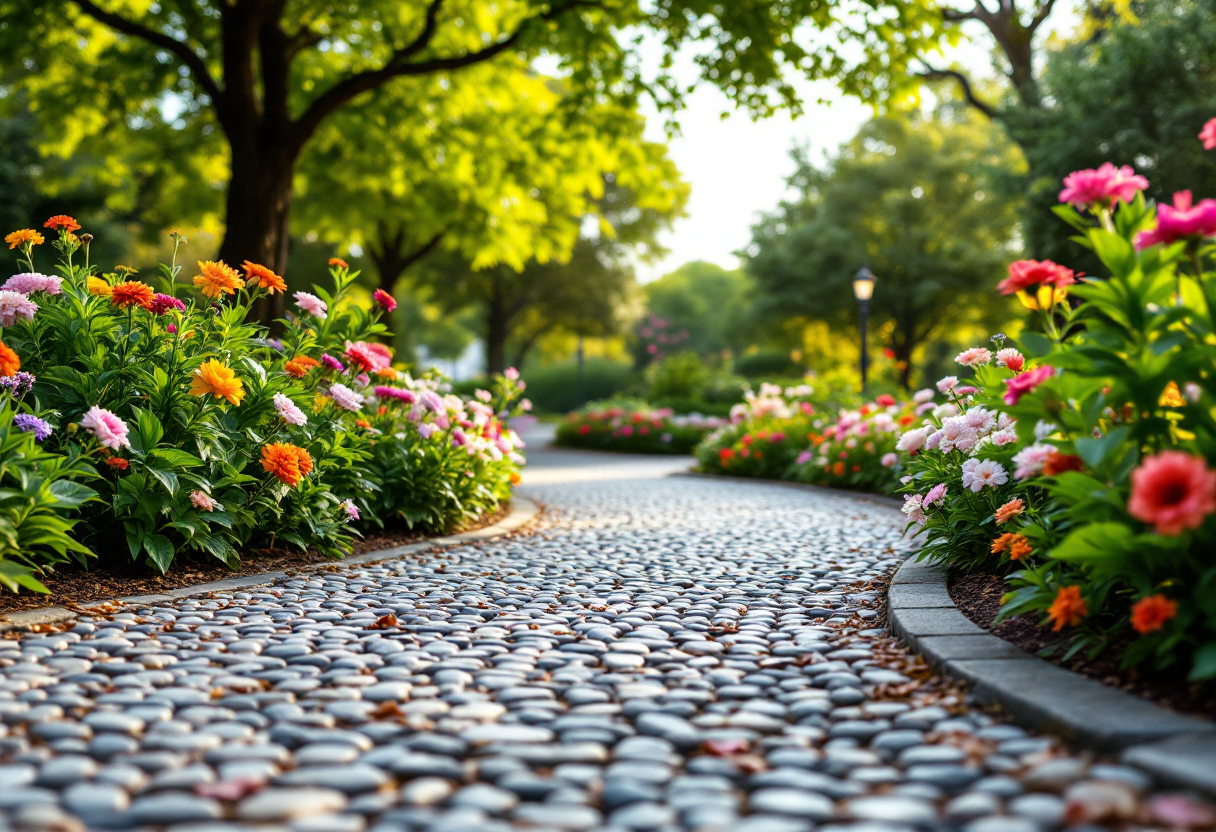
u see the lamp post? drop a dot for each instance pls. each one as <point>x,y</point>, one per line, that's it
<point>863,290</point>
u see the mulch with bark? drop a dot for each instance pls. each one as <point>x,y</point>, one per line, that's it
<point>978,596</point>
<point>115,575</point>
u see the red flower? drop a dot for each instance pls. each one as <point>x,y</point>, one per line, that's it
<point>885,400</point>
<point>1023,274</point>
<point>62,222</point>
<point>1172,491</point>
<point>1150,614</point>
<point>118,462</point>
<point>583,430</point>
<point>1057,463</point>
<point>1023,383</point>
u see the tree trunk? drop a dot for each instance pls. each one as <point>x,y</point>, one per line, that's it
<point>498,329</point>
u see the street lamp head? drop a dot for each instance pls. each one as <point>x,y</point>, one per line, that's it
<point>863,285</point>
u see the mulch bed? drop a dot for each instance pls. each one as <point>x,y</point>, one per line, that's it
<point>114,575</point>
<point>978,596</point>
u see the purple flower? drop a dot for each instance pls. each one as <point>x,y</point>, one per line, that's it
<point>332,363</point>
<point>30,423</point>
<point>275,344</point>
<point>18,384</point>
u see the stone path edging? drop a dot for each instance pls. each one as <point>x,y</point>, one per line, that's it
<point>523,511</point>
<point>1178,750</point>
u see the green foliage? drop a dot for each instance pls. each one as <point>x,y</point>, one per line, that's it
<point>766,363</point>
<point>554,388</point>
<point>706,301</point>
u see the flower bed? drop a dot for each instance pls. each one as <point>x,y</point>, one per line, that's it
<point>777,434</point>
<point>142,419</point>
<point>634,427</point>
<point>1080,459</point>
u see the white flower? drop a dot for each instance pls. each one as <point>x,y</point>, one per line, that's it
<point>913,508</point>
<point>922,396</point>
<point>980,420</point>
<point>346,398</point>
<point>913,440</point>
<point>980,473</point>
<point>1192,392</point>
<point>288,411</point>
<point>945,411</point>
<point>1043,429</point>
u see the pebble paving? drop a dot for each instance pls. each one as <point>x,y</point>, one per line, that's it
<point>659,653</point>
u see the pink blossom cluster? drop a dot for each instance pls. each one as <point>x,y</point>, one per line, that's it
<point>1181,221</point>
<point>311,304</point>
<point>15,306</point>
<point>1102,187</point>
<point>29,282</point>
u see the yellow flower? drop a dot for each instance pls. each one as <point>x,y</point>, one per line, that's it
<point>218,380</point>
<point>217,279</point>
<point>98,286</point>
<point>1171,396</point>
<point>26,236</point>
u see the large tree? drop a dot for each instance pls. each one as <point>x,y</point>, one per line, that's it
<point>705,300</point>
<point>268,74</point>
<point>914,202</point>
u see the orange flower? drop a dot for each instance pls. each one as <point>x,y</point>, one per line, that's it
<point>838,469</point>
<point>1009,511</point>
<point>299,366</point>
<point>118,462</point>
<point>1150,614</point>
<point>363,423</point>
<point>10,362</point>
<point>132,292</point>
<point>1057,463</point>
<point>62,222</point>
<point>216,379</point>
<point>98,286</point>
<point>338,262</point>
<point>288,463</point>
<point>26,236</point>
<point>217,279</point>
<point>263,278</point>
<point>1068,609</point>
<point>386,372</point>
<point>516,478</point>
<point>1171,396</point>
<point>1016,545</point>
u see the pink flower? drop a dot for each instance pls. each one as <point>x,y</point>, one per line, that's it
<point>974,357</point>
<point>426,430</point>
<point>1208,135</point>
<point>311,304</point>
<point>1010,359</point>
<point>947,384</point>
<point>511,374</point>
<point>288,411</point>
<point>459,439</point>
<point>1102,187</point>
<point>804,458</point>
<point>988,472</point>
<point>14,305</point>
<point>914,508</point>
<point>913,440</point>
<point>107,427</point>
<point>1023,383</point>
<point>1024,274</point>
<point>171,329</point>
<point>936,495</point>
<point>29,282</point>
<point>331,363</point>
<point>352,510</point>
<point>1182,221</point>
<point>888,460</point>
<point>430,401</point>
<point>203,502</point>
<point>346,398</point>
<point>368,356</point>
<point>1030,461</point>
<point>964,391</point>
<point>385,300</point>
<point>385,392</point>
<point>1172,491</point>
<point>162,303</point>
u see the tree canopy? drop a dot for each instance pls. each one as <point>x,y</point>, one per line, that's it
<point>914,202</point>
<point>705,300</point>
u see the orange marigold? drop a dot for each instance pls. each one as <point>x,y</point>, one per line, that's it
<point>287,463</point>
<point>1068,609</point>
<point>1015,545</point>
<point>1150,614</point>
<point>263,278</point>
<point>10,362</point>
<point>338,262</point>
<point>23,237</point>
<point>217,379</point>
<point>132,292</point>
<point>217,279</point>
<point>299,366</point>
<point>62,222</point>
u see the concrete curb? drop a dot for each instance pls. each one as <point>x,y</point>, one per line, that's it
<point>523,511</point>
<point>1175,749</point>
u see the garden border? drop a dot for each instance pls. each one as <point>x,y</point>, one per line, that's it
<point>1178,750</point>
<point>522,512</point>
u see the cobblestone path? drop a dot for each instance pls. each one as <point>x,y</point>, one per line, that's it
<point>660,653</point>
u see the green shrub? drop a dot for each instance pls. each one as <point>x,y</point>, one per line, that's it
<point>633,426</point>
<point>769,363</point>
<point>555,389</point>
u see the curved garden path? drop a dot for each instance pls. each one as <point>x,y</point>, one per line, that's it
<point>659,653</point>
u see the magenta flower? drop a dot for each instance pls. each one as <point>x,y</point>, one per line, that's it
<point>352,510</point>
<point>385,392</point>
<point>1102,187</point>
<point>162,303</point>
<point>1208,135</point>
<point>332,363</point>
<point>384,299</point>
<point>110,430</point>
<point>1023,383</point>
<point>1182,221</point>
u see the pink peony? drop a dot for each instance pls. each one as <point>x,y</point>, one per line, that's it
<point>977,474</point>
<point>107,427</point>
<point>1172,491</point>
<point>346,398</point>
<point>1102,187</point>
<point>1010,359</point>
<point>974,357</point>
<point>1182,221</point>
<point>1026,274</point>
<point>311,304</point>
<point>913,440</point>
<point>1208,135</point>
<point>1023,383</point>
<point>14,305</point>
<point>29,282</point>
<point>384,299</point>
<point>936,495</point>
<point>203,501</point>
<point>288,411</point>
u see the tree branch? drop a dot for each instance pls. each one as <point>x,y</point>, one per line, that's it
<point>191,59</point>
<point>1041,15</point>
<point>964,84</point>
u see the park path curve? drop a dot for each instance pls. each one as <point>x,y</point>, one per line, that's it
<point>659,653</point>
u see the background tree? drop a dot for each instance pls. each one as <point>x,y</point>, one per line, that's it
<point>261,77</point>
<point>587,294</point>
<point>913,201</point>
<point>706,301</point>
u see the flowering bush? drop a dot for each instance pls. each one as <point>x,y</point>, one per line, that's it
<point>1083,459</point>
<point>633,426</point>
<point>197,431</point>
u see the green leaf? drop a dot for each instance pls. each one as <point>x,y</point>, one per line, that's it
<point>166,478</point>
<point>1203,666</point>
<point>1094,543</point>
<point>1094,451</point>
<point>175,458</point>
<point>160,550</point>
<point>70,494</point>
